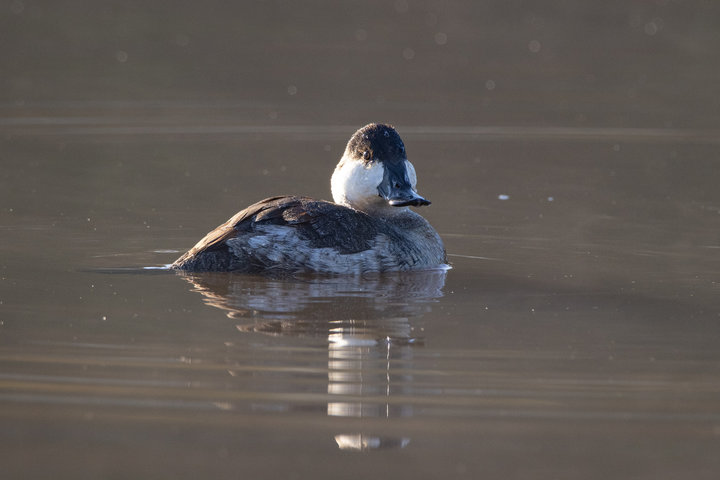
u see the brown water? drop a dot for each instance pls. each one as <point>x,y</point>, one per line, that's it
<point>570,152</point>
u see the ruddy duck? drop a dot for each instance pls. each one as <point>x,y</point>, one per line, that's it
<point>369,228</point>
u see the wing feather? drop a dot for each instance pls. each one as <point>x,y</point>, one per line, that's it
<point>323,224</point>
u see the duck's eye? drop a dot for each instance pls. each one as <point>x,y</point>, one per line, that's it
<point>366,155</point>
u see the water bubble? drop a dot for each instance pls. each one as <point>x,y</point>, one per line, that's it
<point>490,85</point>
<point>121,56</point>
<point>534,46</point>
<point>502,196</point>
<point>551,199</point>
<point>292,90</point>
<point>441,38</point>
<point>537,22</point>
<point>408,53</point>
<point>651,28</point>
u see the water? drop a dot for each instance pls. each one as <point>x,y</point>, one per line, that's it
<point>570,154</point>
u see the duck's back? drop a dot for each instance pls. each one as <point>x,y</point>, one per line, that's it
<point>299,234</point>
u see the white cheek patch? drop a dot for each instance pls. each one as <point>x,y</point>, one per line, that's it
<point>355,184</point>
<point>412,176</point>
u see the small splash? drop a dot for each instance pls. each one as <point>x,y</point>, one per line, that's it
<point>162,267</point>
<point>130,270</point>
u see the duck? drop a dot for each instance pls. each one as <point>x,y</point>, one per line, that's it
<point>368,228</point>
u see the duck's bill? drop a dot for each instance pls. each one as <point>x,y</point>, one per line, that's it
<point>411,200</point>
<point>396,188</point>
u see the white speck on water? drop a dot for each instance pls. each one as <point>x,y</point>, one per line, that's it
<point>653,26</point>
<point>551,199</point>
<point>104,318</point>
<point>490,84</point>
<point>408,53</point>
<point>441,38</point>
<point>121,56</point>
<point>502,196</point>
<point>292,90</point>
<point>534,46</point>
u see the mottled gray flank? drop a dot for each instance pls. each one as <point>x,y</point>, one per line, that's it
<point>299,234</point>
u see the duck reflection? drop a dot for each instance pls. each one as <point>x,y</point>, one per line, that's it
<point>371,327</point>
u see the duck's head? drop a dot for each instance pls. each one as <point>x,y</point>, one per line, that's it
<point>374,174</point>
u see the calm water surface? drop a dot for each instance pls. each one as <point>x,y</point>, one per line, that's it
<point>577,334</point>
